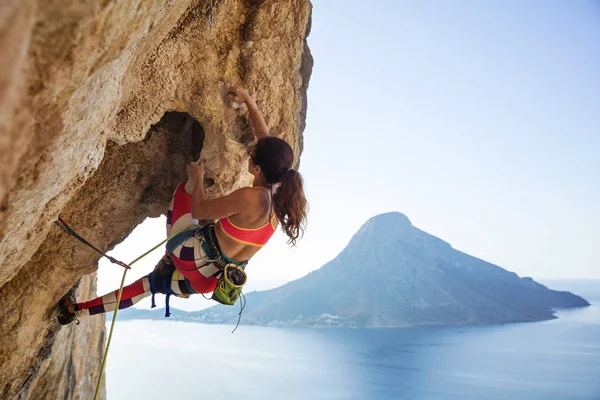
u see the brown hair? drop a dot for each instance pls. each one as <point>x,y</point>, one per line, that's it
<point>275,158</point>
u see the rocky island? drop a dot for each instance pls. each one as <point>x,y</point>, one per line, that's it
<point>392,274</point>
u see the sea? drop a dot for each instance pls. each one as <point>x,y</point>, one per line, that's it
<point>555,359</point>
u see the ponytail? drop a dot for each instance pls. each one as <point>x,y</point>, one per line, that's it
<point>290,205</point>
<point>275,158</point>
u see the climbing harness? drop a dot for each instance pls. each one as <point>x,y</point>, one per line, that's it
<point>232,275</point>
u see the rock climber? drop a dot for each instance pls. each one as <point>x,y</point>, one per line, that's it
<point>245,220</point>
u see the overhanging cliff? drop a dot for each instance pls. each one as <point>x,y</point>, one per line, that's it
<point>102,104</point>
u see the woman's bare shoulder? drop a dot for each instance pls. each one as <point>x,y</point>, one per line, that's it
<point>250,196</point>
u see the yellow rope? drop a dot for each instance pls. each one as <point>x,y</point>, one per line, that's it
<point>114,318</point>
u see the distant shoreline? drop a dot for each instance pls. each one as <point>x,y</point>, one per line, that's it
<point>158,315</point>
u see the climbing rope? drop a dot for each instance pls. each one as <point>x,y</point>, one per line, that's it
<point>65,227</point>
<point>210,13</point>
<point>114,318</point>
<point>242,306</point>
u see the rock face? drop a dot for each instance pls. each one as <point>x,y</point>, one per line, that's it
<point>102,103</point>
<point>393,274</point>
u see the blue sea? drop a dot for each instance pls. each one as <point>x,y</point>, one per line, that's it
<point>557,359</point>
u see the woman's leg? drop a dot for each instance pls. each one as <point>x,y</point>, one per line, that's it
<point>179,215</point>
<point>189,258</point>
<point>131,295</point>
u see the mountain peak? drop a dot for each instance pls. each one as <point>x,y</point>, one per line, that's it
<point>388,223</point>
<point>384,227</point>
<point>392,217</point>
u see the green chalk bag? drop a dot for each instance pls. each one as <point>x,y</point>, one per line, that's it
<point>229,285</point>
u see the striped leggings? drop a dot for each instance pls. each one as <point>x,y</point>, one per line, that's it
<point>138,290</point>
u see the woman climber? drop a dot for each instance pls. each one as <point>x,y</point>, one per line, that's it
<point>196,256</point>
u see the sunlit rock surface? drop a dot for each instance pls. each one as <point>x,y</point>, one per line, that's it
<point>102,103</point>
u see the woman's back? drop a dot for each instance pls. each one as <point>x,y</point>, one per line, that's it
<point>243,234</point>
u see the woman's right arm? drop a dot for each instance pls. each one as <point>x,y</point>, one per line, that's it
<point>258,122</point>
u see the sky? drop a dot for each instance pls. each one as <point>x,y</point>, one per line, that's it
<point>479,120</point>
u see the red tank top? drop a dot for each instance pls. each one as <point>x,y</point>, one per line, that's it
<point>254,236</point>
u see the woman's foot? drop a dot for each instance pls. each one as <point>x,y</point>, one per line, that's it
<point>165,266</point>
<point>66,311</point>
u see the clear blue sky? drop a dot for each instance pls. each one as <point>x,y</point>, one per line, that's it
<point>479,120</point>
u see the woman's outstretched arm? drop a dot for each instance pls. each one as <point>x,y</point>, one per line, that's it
<point>240,95</point>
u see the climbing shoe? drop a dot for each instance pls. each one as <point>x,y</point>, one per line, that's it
<point>165,266</point>
<point>164,270</point>
<point>65,317</point>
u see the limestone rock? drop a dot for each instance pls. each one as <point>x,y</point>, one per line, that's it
<point>102,103</point>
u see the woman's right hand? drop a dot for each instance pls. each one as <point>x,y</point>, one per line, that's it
<point>238,94</point>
